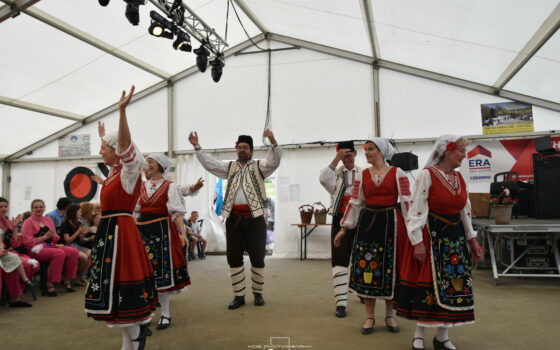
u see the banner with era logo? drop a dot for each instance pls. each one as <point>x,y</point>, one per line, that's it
<point>487,158</point>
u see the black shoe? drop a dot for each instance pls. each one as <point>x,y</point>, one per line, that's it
<point>162,325</point>
<point>366,331</point>
<point>340,311</point>
<point>51,294</point>
<point>29,285</point>
<point>392,329</point>
<point>440,345</point>
<point>142,337</point>
<point>415,348</point>
<point>20,304</point>
<point>259,301</point>
<point>237,302</point>
<point>69,289</point>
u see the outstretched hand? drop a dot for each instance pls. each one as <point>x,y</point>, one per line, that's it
<point>198,185</point>
<point>101,129</point>
<point>98,179</point>
<point>193,138</point>
<point>125,99</point>
<point>16,220</point>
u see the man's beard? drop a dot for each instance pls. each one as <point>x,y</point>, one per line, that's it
<point>243,157</point>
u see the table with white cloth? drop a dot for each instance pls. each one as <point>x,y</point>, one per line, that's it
<point>526,247</point>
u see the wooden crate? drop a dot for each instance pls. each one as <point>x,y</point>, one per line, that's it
<point>480,204</point>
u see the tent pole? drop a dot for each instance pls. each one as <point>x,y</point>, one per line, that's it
<point>6,171</point>
<point>376,109</point>
<point>170,116</point>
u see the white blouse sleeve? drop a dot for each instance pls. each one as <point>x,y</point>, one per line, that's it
<point>403,185</point>
<point>174,201</point>
<point>215,167</point>
<point>466,218</point>
<point>352,213</point>
<point>418,213</point>
<point>327,177</point>
<point>271,161</point>
<point>130,160</point>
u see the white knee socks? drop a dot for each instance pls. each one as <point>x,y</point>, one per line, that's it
<point>257,277</point>
<point>237,275</point>
<point>164,302</point>
<point>340,283</point>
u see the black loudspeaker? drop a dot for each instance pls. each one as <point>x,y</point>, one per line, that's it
<point>544,144</point>
<point>547,185</point>
<point>405,160</point>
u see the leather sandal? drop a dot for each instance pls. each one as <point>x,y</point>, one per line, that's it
<point>440,345</point>
<point>415,348</point>
<point>392,329</point>
<point>366,331</point>
<point>162,325</point>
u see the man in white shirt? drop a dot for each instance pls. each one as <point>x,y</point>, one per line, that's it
<point>243,208</point>
<point>339,182</point>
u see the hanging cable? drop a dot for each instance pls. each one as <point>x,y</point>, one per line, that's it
<point>267,120</point>
<point>242,26</point>
<point>227,21</point>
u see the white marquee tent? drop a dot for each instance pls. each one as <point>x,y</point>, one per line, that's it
<point>347,69</point>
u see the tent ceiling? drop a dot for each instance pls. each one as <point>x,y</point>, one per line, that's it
<point>56,53</point>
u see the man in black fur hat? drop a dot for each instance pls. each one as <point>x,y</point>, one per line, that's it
<point>339,183</point>
<point>243,208</point>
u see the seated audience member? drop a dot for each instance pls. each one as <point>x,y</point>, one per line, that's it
<point>72,231</point>
<point>40,238</point>
<point>57,215</point>
<point>86,208</point>
<point>17,267</point>
<point>86,240</point>
<point>194,235</point>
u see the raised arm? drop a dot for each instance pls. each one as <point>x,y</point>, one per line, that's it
<point>124,138</point>
<point>272,160</point>
<point>213,166</point>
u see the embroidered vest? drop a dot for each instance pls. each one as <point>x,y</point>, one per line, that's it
<point>339,189</point>
<point>157,203</point>
<point>251,181</point>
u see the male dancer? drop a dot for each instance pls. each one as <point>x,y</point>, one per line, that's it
<point>339,183</point>
<point>243,208</point>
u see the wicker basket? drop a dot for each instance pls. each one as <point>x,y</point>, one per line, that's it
<point>320,213</point>
<point>502,214</point>
<point>306,213</point>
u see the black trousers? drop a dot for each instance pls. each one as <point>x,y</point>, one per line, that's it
<point>341,256</point>
<point>245,233</point>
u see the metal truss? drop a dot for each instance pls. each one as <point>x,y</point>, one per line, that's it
<point>185,18</point>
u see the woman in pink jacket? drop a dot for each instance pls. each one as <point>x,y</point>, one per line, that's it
<point>40,238</point>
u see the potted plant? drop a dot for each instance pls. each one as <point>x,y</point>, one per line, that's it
<point>501,206</point>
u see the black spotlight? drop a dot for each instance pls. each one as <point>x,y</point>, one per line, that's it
<point>217,68</point>
<point>103,2</point>
<point>132,11</point>
<point>201,58</point>
<point>159,26</point>
<point>182,42</point>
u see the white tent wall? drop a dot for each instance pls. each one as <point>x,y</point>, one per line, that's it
<point>42,180</point>
<point>313,96</point>
<point>147,119</point>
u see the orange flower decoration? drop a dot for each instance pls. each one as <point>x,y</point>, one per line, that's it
<point>108,260</point>
<point>430,299</point>
<point>362,263</point>
<point>373,264</point>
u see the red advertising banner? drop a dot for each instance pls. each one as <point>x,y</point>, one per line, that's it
<point>487,158</point>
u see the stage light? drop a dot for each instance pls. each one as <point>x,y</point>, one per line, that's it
<point>132,12</point>
<point>159,26</point>
<point>201,58</point>
<point>183,42</point>
<point>103,2</point>
<point>217,68</point>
